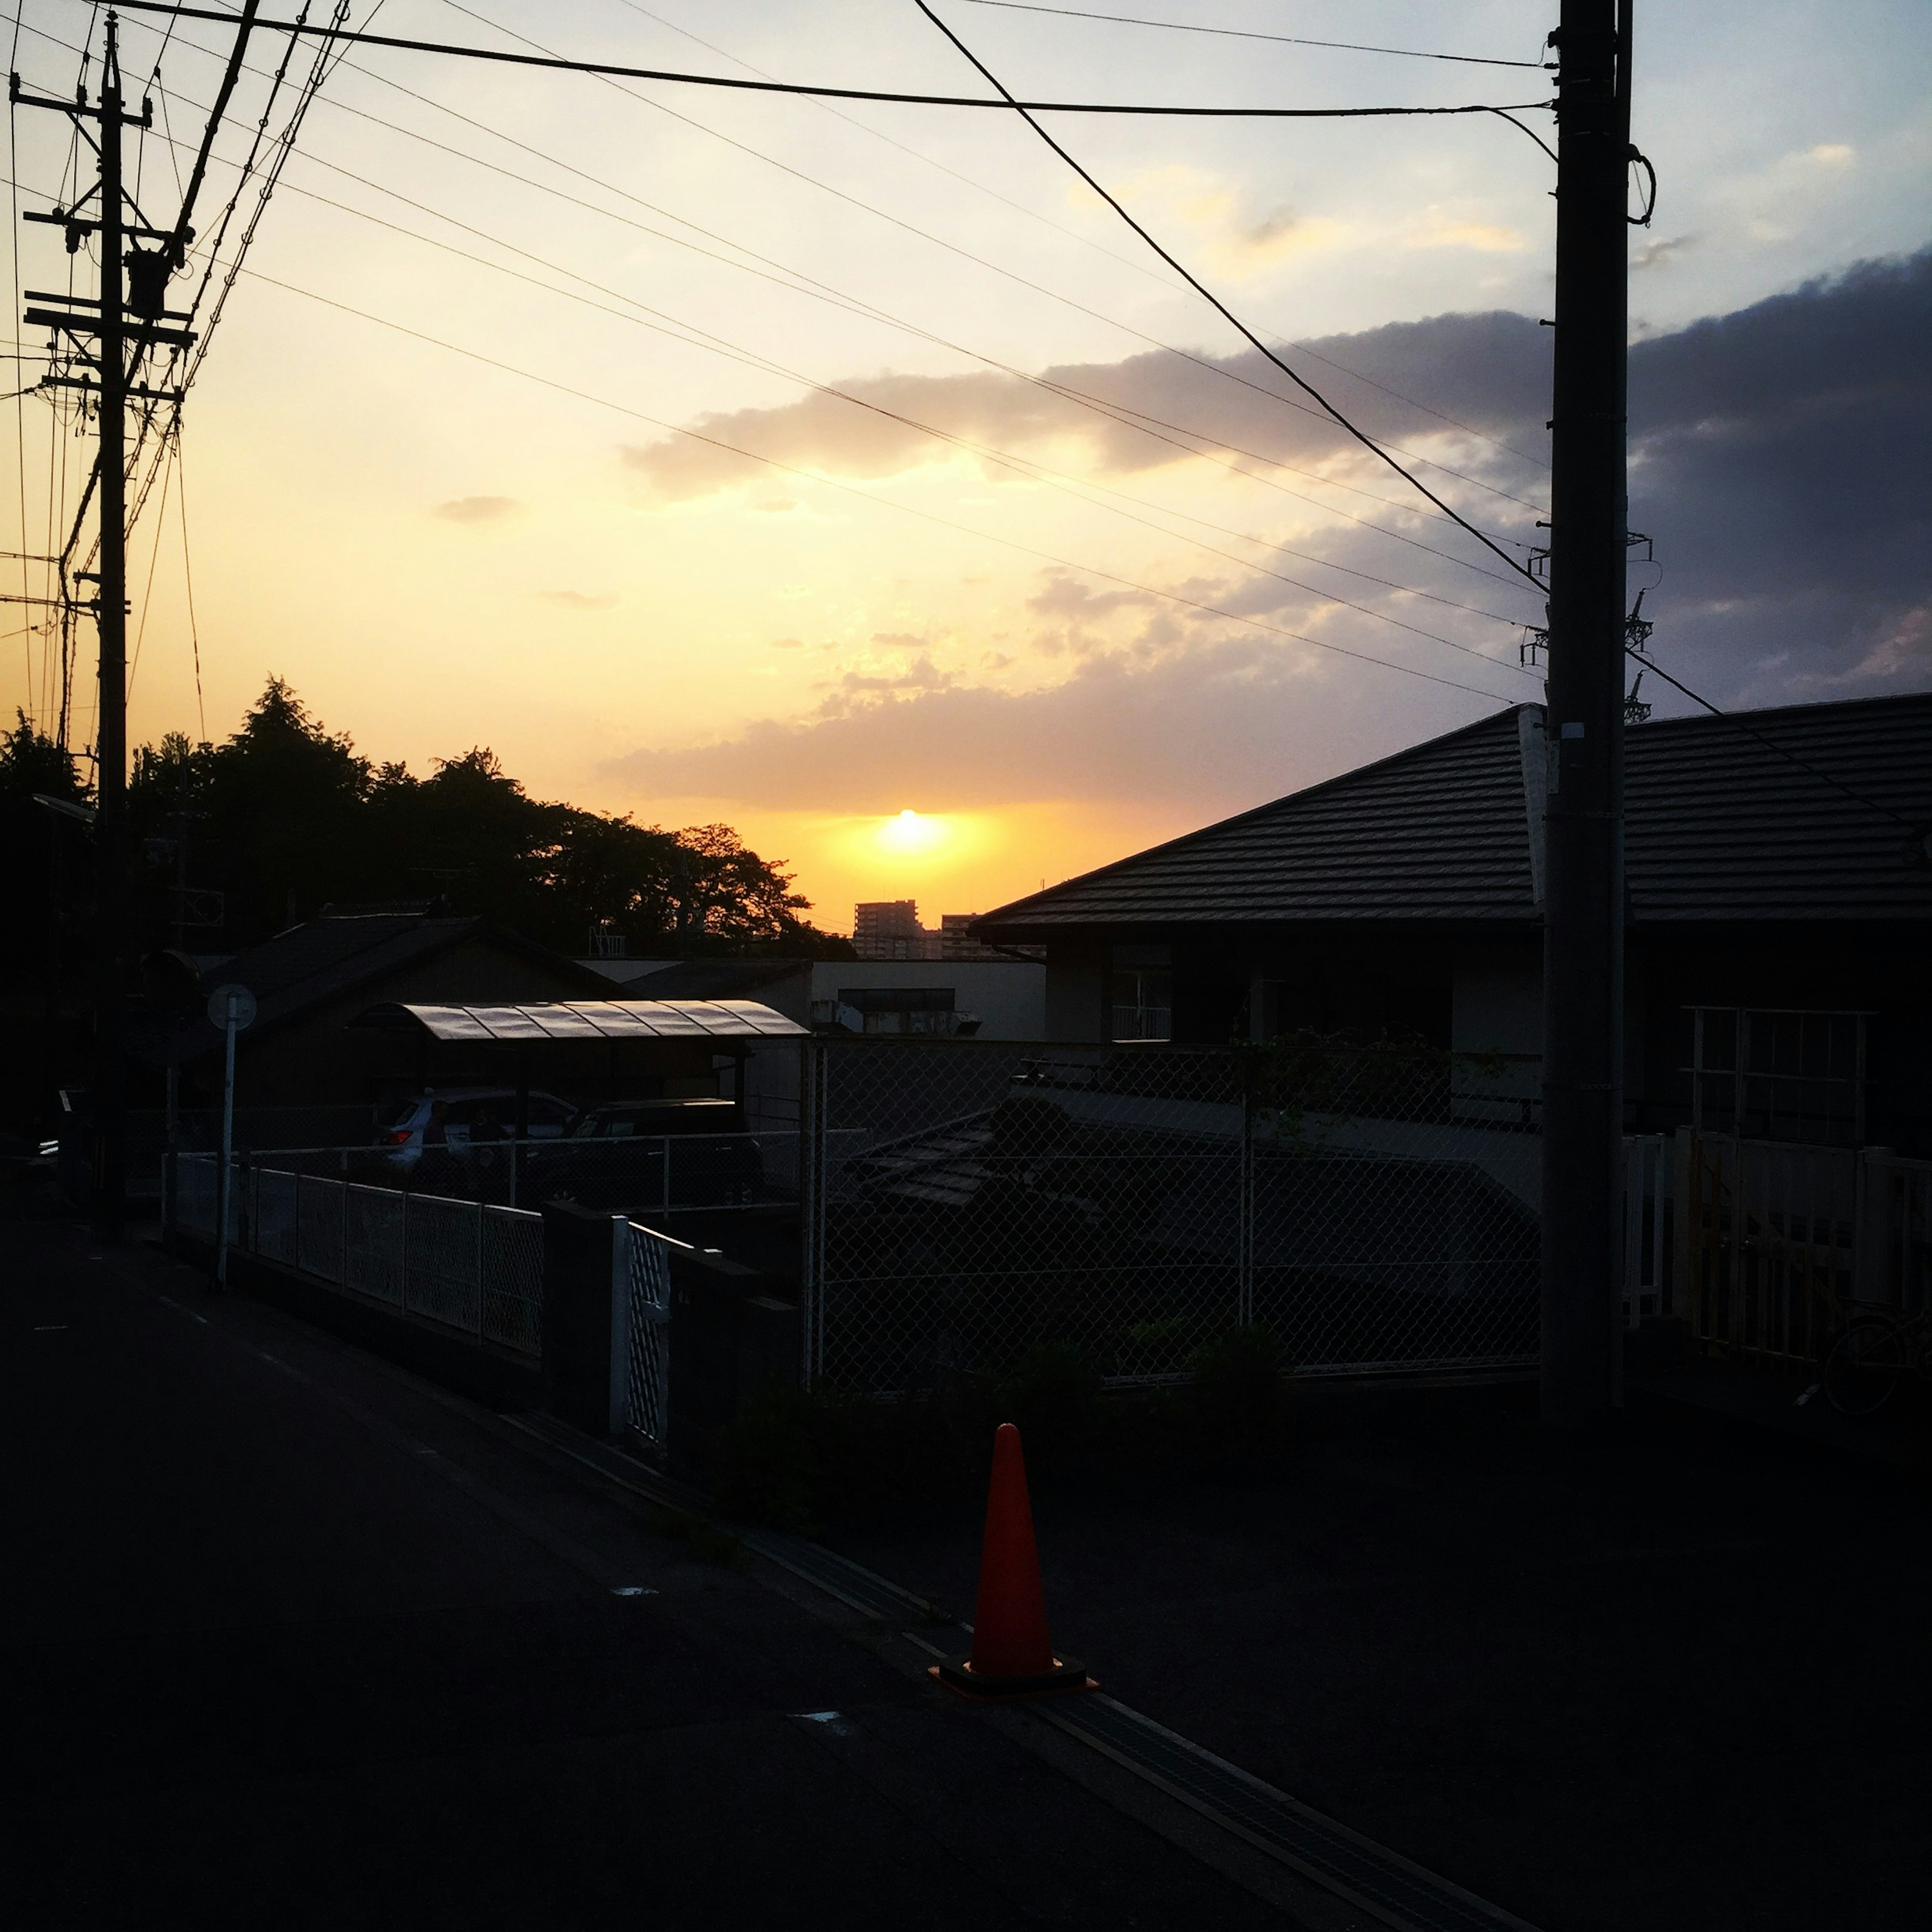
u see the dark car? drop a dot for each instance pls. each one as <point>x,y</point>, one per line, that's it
<point>637,1155</point>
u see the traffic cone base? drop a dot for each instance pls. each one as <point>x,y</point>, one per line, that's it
<point>958,1676</point>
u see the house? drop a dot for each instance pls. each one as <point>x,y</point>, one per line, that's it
<point>992,996</point>
<point>311,981</point>
<point>1778,884</point>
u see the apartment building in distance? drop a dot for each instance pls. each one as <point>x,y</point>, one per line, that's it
<point>889,929</point>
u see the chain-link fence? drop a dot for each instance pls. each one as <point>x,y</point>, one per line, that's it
<point>1374,1208</point>
<point>954,1203</point>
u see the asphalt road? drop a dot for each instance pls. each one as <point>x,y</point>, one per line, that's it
<point>1675,1677</point>
<point>290,1640</point>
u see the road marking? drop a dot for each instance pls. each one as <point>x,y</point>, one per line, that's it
<point>631,1590</point>
<point>48,1328</point>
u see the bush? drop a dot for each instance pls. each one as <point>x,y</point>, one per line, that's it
<point>1241,1395</point>
<point>791,1459</point>
<point>1052,1396</point>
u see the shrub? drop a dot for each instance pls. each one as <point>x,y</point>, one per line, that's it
<point>1241,1395</point>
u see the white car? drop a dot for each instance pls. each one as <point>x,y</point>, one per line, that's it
<point>458,1122</point>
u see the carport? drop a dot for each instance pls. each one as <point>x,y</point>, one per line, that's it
<point>580,1043</point>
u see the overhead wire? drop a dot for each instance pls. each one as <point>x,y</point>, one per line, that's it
<point>147,593</point>
<point>1919,831</point>
<point>852,490</point>
<point>187,580</point>
<point>19,403</point>
<point>1059,228</point>
<point>1300,382</point>
<point>680,329</point>
<point>1245,34</point>
<point>562,63</point>
<point>798,282</point>
<point>1291,402</point>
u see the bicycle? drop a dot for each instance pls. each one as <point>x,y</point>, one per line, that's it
<point>1868,1359</point>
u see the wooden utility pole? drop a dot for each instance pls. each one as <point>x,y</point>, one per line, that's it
<point>1583,931</point>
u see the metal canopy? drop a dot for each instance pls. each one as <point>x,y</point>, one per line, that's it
<point>593,1019</point>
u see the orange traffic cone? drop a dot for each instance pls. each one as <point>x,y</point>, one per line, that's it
<point>1012,1655</point>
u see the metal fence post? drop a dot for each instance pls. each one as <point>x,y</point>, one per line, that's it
<point>1244,1287</point>
<point>810,1207</point>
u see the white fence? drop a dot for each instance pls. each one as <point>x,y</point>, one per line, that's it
<point>1777,1244</point>
<point>466,1265</point>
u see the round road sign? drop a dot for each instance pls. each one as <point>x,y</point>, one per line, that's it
<point>231,1005</point>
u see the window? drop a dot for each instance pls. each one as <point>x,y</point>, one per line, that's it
<point>1143,993</point>
<point>1778,1075</point>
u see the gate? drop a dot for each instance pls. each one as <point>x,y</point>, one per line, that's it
<point>1767,1235</point>
<point>647,1274</point>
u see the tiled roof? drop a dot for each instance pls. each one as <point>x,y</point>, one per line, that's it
<point>332,954</point>
<point>1719,827</point>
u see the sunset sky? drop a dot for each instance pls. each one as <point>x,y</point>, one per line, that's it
<point>1099,608</point>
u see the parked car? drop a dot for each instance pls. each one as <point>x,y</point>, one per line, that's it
<point>636,1156</point>
<point>457,1126</point>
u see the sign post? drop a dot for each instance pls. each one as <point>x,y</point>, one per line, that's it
<point>231,1008</point>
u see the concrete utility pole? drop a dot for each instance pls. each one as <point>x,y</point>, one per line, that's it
<point>1583,930</point>
<point>110,744</point>
<point>106,321</point>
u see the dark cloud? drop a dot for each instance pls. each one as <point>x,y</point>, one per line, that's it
<point>1487,371</point>
<point>1778,461</point>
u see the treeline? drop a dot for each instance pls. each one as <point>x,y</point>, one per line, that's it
<point>285,818</point>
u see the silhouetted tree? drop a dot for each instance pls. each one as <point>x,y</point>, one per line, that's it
<point>286,816</point>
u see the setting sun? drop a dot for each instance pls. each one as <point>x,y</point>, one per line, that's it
<point>912,834</point>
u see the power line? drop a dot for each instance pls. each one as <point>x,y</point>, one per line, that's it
<point>1242,33</point>
<point>820,290</point>
<point>851,489</point>
<point>1059,228</point>
<point>1259,389</point>
<point>1770,744</point>
<point>187,580</point>
<point>1300,382</point>
<point>698,337</point>
<point>557,63</point>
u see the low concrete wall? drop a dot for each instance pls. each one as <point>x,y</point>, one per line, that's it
<point>497,1378</point>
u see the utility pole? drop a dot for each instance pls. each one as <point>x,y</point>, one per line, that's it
<point>106,321</point>
<point>1583,930</point>
<point>110,743</point>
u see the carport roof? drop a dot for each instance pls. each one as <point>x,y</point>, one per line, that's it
<point>592,1019</point>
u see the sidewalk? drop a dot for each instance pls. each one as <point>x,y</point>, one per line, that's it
<point>295,1640</point>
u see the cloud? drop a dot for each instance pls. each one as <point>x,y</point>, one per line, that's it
<point>577,600</point>
<point>1662,254</point>
<point>1224,235</point>
<point>1232,721</point>
<point>1778,460</point>
<point>1488,370</point>
<point>479,509</point>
